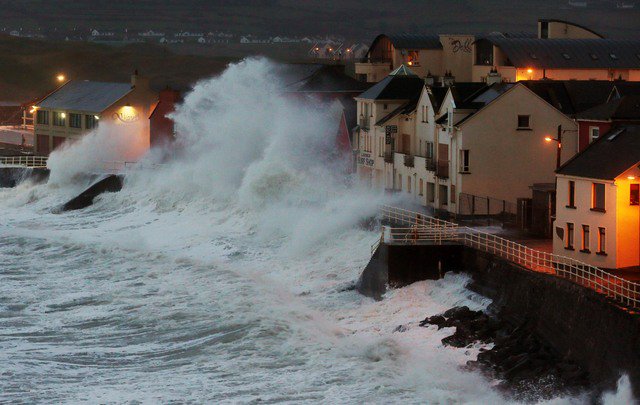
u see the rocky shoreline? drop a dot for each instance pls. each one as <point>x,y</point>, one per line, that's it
<point>527,368</point>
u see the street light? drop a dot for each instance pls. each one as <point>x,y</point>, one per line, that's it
<point>558,139</point>
<point>61,78</point>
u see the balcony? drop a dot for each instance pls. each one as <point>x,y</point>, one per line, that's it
<point>408,160</point>
<point>442,170</point>
<point>388,157</point>
<point>430,164</point>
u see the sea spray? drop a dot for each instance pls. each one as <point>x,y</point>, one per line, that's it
<point>224,274</point>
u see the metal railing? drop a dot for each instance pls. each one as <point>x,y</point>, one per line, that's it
<point>24,161</point>
<point>408,160</point>
<point>430,164</point>
<point>425,229</point>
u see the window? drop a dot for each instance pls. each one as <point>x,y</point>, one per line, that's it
<point>524,122</point>
<point>572,195</point>
<point>429,151</point>
<point>90,121</point>
<point>408,184</point>
<point>613,56</point>
<point>453,194</point>
<point>602,241</point>
<point>544,29</point>
<point>634,194</point>
<point>425,111</point>
<point>464,161</point>
<point>59,119</point>
<point>421,187</point>
<point>443,194</point>
<point>569,244</point>
<point>431,192</point>
<point>594,133</point>
<point>43,117</point>
<point>75,120</point>
<point>566,56</point>
<point>597,197</point>
<point>400,181</point>
<point>585,239</point>
<point>385,106</point>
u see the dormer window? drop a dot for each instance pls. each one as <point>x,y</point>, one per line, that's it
<point>566,56</point>
<point>613,56</point>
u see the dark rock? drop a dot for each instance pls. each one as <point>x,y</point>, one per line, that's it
<point>110,184</point>
<point>401,328</point>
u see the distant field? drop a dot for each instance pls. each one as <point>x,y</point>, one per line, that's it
<point>28,67</point>
<point>357,19</point>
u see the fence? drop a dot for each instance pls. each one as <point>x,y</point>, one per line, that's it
<point>624,291</point>
<point>487,207</point>
<point>24,161</point>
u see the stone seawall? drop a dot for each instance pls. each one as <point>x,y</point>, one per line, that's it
<point>580,324</point>
<point>12,176</point>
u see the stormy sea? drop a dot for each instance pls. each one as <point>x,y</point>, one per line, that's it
<point>222,273</point>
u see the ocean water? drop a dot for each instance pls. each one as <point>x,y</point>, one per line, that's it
<point>222,275</point>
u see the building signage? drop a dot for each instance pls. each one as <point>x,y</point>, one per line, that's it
<point>365,159</point>
<point>388,131</point>
<point>127,115</point>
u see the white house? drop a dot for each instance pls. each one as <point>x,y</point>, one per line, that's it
<point>598,202</point>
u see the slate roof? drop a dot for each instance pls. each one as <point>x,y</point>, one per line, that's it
<point>399,85</point>
<point>569,53</point>
<point>608,157</point>
<point>463,91</point>
<point>624,108</point>
<point>86,96</point>
<point>329,78</point>
<point>406,108</point>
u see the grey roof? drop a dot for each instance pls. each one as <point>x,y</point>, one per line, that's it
<point>608,157</point>
<point>405,109</point>
<point>400,86</point>
<point>624,108</point>
<point>569,53</point>
<point>86,96</point>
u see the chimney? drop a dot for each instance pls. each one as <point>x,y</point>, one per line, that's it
<point>447,80</point>
<point>494,77</point>
<point>140,81</point>
<point>429,80</point>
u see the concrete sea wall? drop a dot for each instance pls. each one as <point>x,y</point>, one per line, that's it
<point>579,323</point>
<point>12,176</point>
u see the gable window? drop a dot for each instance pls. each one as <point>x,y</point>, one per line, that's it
<point>464,161</point>
<point>59,119</point>
<point>43,117</point>
<point>75,120</point>
<point>602,241</point>
<point>594,133</point>
<point>597,197</point>
<point>572,195</point>
<point>634,194</point>
<point>569,241</point>
<point>425,110</point>
<point>585,239</point>
<point>524,122</point>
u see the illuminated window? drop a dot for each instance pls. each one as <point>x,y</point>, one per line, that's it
<point>43,117</point>
<point>572,194</point>
<point>598,197</point>
<point>59,119</point>
<point>602,241</point>
<point>585,238</point>
<point>634,194</point>
<point>569,241</point>
<point>524,122</point>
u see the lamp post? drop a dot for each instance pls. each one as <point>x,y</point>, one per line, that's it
<point>559,149</point>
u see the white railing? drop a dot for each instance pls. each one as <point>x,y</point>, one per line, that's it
<point>424,229</point>
<point>24,161</point>
<point>402,216</point>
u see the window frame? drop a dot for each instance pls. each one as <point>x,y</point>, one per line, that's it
<point>45,117</point>
<point>570,238</point>
<point>594,197</point>
<point>71,120</point>
<point>586,242</point>
<point>593,129</point>
<point>59,119</point>
<point>602,241</point>
<point>571,195</point>
<point>464,161</point>
<point>528,126</point>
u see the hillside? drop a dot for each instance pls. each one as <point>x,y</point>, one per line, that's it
<point>358,19</point>
<point>28,67</point>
